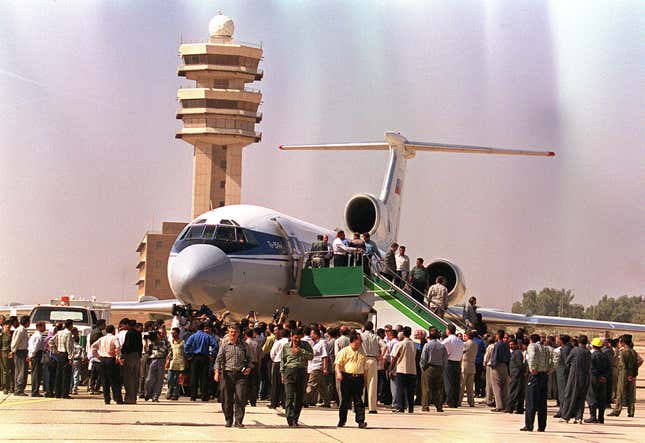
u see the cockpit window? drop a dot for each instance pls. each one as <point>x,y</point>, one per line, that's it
<point>225,233</point>
<point>209,232</point>
<point>239,233</point>
<point>195,232</point>
<point>228,237</point>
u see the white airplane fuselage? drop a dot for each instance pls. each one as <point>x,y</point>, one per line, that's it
<point>254,269</point>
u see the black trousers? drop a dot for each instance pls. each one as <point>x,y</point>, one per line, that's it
<point>234,396</point>
<point>253,384</point>
<point>111,377</point>
<point>295,380</point>
<point>340,260</point>
<point>536,392</point>
<point>452,382</point>
<point>351,392</point>
<point>199,377</point>
<point>480,380</point>
<point>434,386</point>
<point>277,388</point>
<point>517,394</point>
<point>63,374</point>
<point>265,377</point>
<point>406,386</point>
<point>36,372</point>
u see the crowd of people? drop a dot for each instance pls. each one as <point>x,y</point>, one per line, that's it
<point>295,366</point>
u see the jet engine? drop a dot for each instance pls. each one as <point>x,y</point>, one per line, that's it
<point>364,213</point>
<point>454,279</point>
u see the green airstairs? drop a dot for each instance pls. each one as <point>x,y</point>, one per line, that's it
<point>390,303</point>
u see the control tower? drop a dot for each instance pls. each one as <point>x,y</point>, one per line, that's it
<point>219,114</point>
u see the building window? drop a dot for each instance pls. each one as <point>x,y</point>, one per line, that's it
<point>157,284</point>
<point>222,164</point>
<point>222,184</point>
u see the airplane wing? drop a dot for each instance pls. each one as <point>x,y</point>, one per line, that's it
<point>153,306</point>
<point>536,321</point>
<point>163,307</point>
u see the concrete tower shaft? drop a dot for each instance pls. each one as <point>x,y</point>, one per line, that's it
<point>219,114</point>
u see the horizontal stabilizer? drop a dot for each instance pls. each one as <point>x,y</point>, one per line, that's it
<point>441,147</point>
<point>397,141</point>
<point>377,146</point>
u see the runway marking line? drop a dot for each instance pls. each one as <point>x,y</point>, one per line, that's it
<point>22,402</point>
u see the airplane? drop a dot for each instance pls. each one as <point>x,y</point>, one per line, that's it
<point>243,257</point>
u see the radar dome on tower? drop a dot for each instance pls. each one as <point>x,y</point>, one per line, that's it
<point>221,26</point>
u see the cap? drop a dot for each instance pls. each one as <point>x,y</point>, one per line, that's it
<point>596,342</point>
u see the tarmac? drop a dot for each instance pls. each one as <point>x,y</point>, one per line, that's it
<point>87,418</point>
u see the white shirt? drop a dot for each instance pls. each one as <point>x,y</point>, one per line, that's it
<point>405,352</point>
<point>121,336</point>
<point>390,347</point>
<point>320,352</point>
<point>36,343</point>
<point>276,350</point>
<point>20,339</point>
<point>454,346</point>
<point>339,247</point>
<point>402,263</point>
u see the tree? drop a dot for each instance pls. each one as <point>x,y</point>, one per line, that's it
<point>624,309</point>
<point>549,301</point>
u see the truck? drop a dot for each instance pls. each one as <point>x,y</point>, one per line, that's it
<point>84,313</point>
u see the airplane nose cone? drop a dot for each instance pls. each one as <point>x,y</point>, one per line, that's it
<point>200,274</point>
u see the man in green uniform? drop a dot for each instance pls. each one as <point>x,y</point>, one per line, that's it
<point>318,250</point>
<point>418,280</point>
<point>628,363</point>
<point>293,368</point>
<point>6,358</point>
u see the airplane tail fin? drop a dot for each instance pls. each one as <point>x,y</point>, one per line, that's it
<point>401,150</point>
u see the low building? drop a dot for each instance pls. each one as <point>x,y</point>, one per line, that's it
<point>154,250</point>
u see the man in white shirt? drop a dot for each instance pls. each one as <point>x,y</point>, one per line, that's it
<point>402,266</point>
<point>452,372</point>
<point>36,349</point>
<point>373,348</point>
<point>64,343</point>
<point>390,342</point>
<point>20,348</point>
<point>277,388</point>
<point>405,364</point>
<point>340,250</point>
<point>317,368</point>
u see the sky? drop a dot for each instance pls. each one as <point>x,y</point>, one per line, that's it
<point>89,162</point>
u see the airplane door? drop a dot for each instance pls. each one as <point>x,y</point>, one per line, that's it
<point>296,250</point>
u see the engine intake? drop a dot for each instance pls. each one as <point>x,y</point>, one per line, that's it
<point>363,214</point>
<point>454,279</point>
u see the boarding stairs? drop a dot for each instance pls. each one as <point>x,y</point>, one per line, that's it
<point>388,303</point>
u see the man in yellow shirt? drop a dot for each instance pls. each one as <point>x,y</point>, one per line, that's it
<point>350,371</point>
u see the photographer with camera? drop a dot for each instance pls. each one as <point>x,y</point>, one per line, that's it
<point>157,351</point>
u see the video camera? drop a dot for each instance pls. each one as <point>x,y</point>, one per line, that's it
<point>283,310</point>
<point>183,310</point>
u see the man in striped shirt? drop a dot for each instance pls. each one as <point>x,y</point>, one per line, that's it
<point>108,350</point>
